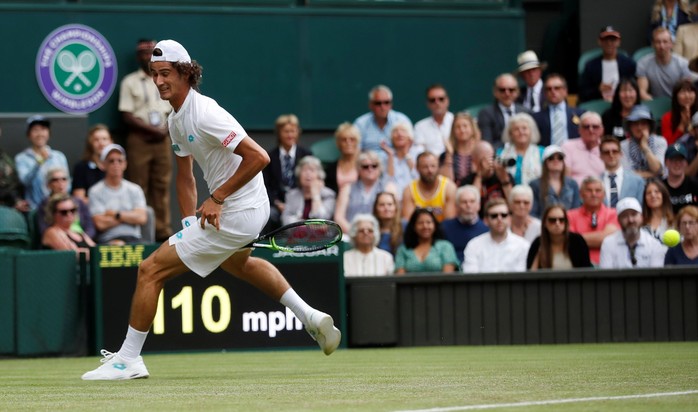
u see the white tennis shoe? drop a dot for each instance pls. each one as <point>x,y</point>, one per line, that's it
<point>321,329</point>
<point>115,368</point>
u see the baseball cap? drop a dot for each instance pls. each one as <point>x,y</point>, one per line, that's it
<point>628,203</point>
<point>37,119</point>
<point>551,150</point>
<point>675,150</point>
<point>170,51</point>
<point>609,31</point>
<point>110,148</point>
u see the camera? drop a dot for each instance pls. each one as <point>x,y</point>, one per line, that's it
<point>506,161</point>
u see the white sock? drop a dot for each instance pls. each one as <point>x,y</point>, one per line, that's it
<point>291,300</point>
<point>133,344</point>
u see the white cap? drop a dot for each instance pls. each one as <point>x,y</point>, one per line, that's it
<point>110,148</point>
<point>170,51</point>
<point>628,203</point>
<point>551,150</point>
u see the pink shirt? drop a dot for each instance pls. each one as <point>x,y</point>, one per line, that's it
<point>580,161</point>
<point>580,222</point>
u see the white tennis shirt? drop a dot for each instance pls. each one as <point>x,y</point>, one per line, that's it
<point>205,130</point>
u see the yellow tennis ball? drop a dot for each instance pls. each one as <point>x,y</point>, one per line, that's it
<point>671,238</point>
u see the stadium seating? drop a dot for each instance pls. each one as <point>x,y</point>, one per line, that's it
<point>588,55</point>
<point>475,109</point>
<point>325,150</point>
<point>642,52</point>
<point>658,106</point>
<point>599,106</point>
<point>14,231</point>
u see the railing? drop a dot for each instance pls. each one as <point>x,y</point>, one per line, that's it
<point>525,308</point>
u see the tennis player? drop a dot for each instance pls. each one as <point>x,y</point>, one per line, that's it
<point>231,217</point>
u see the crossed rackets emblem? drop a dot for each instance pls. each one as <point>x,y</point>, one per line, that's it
<point>76,66</point>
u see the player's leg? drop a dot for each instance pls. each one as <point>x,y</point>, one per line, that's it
<point>267,278</point>
<point>162,265</point>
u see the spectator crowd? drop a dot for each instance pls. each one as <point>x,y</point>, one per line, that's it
<point>531,181</point>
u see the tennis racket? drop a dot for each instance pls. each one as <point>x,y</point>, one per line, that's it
<point>301,237</point>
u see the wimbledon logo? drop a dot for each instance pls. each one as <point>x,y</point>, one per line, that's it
<point>76,69</point>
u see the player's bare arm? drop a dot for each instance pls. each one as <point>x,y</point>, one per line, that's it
<point>186,186</point>
<point>254,159</point>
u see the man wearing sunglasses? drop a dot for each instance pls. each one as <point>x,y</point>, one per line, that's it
<point>497,250</point>
<point>118,206</point>
<point>619,182</point>
<point>492,119</point>
<point>582,156</point>
<point>557,122</point>
<point>376,125</point>
<point>431,133</point>
<point>631,247</point>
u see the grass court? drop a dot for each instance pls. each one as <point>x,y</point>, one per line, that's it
<point>593,377</point>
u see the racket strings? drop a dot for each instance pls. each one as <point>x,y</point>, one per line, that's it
<point>308,237</point>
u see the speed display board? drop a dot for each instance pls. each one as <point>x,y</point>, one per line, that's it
<point>219,311</point>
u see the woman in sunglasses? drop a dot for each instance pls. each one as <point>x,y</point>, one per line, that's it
<point>557,247</point>
<point>554,186</point>
<point>359,196</point>
<point>61,211</point>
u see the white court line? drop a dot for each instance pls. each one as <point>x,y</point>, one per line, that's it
<point>550,402</point>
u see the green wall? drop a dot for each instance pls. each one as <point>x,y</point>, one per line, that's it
<point>261,62</point>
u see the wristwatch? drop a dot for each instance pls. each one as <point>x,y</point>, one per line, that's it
<point>118,216</point>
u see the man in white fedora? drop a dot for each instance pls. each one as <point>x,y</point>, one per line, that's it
<point>531,72</point>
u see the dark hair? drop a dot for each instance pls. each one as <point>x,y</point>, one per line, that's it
<point>616,105</point>
<point>558,76</point>
<point>545,181</point>
<point>395,224</point>
<point>435,86</point>
<point>411,238</point>
<point>667,208</point>
<point>545,251</point>
<point>610,139</point>
<point>495,202</point>
<point>683,84</point>
<point>425,154</point>
<point>192,71</point>
<point>88,152</point>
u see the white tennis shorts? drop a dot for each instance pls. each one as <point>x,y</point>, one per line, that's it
<point>204,250</point>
